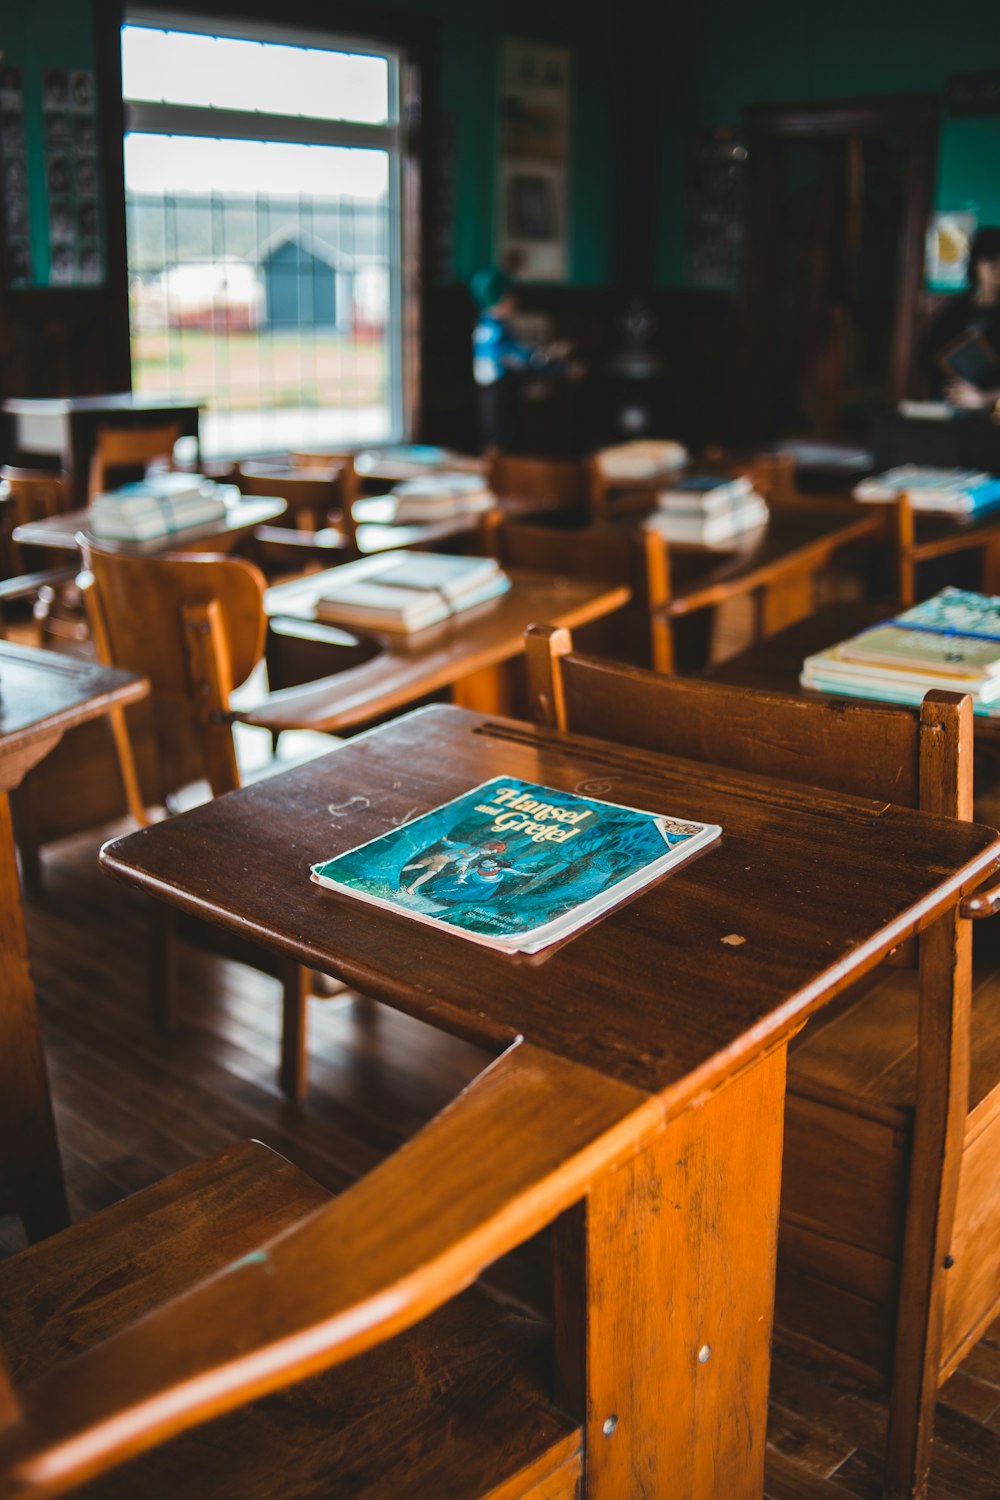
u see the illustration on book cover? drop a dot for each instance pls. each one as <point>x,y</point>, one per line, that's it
<point>513,864</point>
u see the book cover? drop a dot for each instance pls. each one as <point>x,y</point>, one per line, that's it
<point>513,865</point>
<point>706,491</point>
<point>954,611</point>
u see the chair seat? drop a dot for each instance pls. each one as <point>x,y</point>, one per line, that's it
<point>456,1407</point>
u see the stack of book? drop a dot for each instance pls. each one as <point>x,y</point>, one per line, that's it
<point>156,507</point>
<point>438,497</point>
<point>707,510</point>
<point>643,458</point>
<point>957,492</point>
<point>407,591</point>
<point>951,641</point>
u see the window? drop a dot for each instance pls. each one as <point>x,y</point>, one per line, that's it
<point>263,232</point>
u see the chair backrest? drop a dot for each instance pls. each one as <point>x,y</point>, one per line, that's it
<point>28,495</point>
<point>911,757</point>
<point>316,498</point>
<point>557,481</point>
<point>342,459</point>
<point>628,476</point>
<point>195,626</point>
<point>129,449</point>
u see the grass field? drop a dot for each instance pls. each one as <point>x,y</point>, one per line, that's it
<point>243,371</point>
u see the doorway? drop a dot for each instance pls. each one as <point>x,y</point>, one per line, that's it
<point>839,201</point>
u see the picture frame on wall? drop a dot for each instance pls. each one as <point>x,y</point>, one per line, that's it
<point>531,218</point>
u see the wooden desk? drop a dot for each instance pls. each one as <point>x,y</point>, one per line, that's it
<point>242,515</point>
<point>42,694</point>
<point>471,653</point>
<point>638,1102</point>
<point>66,429</point>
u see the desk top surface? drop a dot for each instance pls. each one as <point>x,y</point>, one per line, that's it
<point>114,401</point>
<point>404,668</point>
<point>671,992</point>
<point>242,515</point>
<point>45,690</point>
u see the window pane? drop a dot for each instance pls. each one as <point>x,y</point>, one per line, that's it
<point>178,67</point>
<point>260,281</point>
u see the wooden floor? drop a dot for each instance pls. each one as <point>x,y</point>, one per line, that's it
<point>132,1106</point>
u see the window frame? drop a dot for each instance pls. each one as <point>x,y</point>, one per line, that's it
<point>159,118</point>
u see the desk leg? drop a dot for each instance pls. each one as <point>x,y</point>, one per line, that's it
<point>31,1180</point>
<point>664,1300</point>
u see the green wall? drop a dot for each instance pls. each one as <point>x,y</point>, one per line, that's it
<point>781,51</point>
<point>58,33</point>
<point>33,37</point>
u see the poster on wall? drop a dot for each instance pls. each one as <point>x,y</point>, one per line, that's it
<point>946,261</point>
<point>69,134</point>
<point>14,180</point>
<point>534,161</point>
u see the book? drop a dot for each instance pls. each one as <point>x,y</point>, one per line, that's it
<point>513,865</point>
<point>972,358</point>
<point>748,514</point>
<point>432,497</point>
<point>158,485</point>
<point>143,520</point>
<point>644,458</point>
<point>955,491</point>
<point>399,453</point>
<point>408,591</point>
<point>950,641</point>
<point>705,494</point>
<point>956,612</point>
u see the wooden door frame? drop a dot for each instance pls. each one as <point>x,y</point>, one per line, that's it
<point>768,127</point>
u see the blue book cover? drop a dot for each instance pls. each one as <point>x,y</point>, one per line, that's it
<point>954,611</point>
<point>514,865</point>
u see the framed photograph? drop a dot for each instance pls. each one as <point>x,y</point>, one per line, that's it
<point>55,89</point>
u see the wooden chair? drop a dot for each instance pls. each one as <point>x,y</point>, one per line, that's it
<point>30,495</point>
<point>780,576</point>
<point>889,1244</point>
<point>197,624</point>
<point>170,1315</point>
<point>921,538</point>
<point>129,451</point>
<point>318,528</point>
<point>609,493</point>
<point>557,483</point>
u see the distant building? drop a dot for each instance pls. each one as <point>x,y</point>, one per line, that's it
<point>305,285</point>
<point>213,294</point>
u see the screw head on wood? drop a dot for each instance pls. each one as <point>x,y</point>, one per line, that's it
<point>610,1423</point>
<point>704,1354</point>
